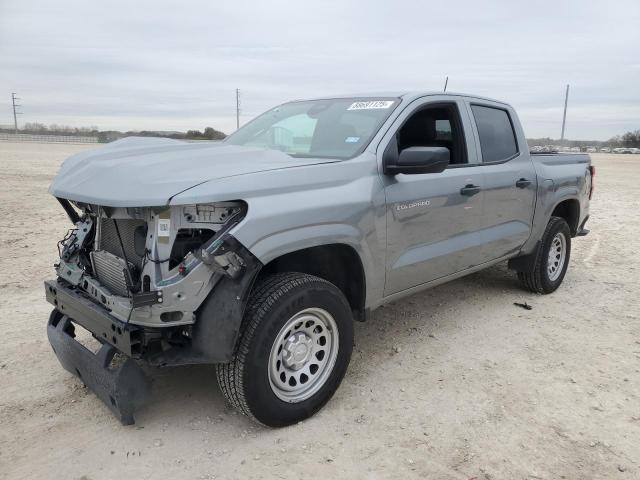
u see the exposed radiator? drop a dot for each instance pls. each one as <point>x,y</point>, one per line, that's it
<point>110,271</point>
<point>108,239</point>
<point>108,261</point>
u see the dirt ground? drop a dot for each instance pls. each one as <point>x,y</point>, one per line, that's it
<point>452,383</point>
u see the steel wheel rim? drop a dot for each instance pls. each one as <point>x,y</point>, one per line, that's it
<point>557,256</point>
<point>303,355</point>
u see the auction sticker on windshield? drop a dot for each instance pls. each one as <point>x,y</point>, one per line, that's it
<point>371,105</point>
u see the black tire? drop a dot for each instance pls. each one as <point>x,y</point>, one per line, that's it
<point>276,298</point>
<point>538,279</point>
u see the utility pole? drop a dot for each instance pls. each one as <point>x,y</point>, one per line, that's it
<point>237,108</point>
<point>446,82</point>
<point>15,113</point>
<point>564,115</point>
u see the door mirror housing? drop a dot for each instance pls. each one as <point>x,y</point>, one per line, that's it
<point>414,160</point>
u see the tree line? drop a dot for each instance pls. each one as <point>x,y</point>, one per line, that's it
<point>104,136</point>
<point>629,140</point>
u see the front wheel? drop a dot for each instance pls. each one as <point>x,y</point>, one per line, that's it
<point>294,349</point>
<point>552,259</point>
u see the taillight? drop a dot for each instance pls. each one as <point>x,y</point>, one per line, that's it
<point>592,169</point>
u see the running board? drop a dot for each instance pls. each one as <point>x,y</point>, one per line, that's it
<point>123,387</point>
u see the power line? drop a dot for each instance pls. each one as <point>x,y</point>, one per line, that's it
<point>15,112</point>
<point>564,115</point>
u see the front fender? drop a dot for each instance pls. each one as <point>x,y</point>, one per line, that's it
<point>219,318</point>
<point>281,243</point>
<point>304,206</point>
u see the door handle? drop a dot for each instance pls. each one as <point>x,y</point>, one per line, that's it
<point>469,190</point>
<point>523,183</point>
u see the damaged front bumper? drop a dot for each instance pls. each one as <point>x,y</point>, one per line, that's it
<point>161,286</point>
<point>73,303</point>
<point>123,386</point>
<point>119,382</point>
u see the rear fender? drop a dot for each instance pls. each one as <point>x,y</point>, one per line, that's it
<point>550,195</point>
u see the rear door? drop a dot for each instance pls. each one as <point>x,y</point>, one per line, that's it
<point>433,220</point>
<point>509,176</point>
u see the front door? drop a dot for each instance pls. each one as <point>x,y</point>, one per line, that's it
<point>433,220</point>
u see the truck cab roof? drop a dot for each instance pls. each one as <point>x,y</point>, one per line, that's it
<point>408,95</point>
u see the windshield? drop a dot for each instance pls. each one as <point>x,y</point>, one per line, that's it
<point>334,128</point>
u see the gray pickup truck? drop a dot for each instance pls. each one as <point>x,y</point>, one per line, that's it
<point>256,254</point>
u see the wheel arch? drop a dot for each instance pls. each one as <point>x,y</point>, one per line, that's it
<point>569,210</point>
<point>338,263</point>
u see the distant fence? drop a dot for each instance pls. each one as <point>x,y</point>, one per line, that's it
<point>26,137</point>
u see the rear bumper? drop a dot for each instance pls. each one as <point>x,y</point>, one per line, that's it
<point>583,231</point>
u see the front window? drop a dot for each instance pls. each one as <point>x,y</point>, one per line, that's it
<point>333,128</point>
<point>436,125</point>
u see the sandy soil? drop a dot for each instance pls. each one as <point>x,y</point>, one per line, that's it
<point>453,383</point>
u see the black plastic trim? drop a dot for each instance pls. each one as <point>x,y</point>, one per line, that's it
<point>70,211</point>
<point>524,263</point>
<point>122,387</point>
<point>583,231</point>
<point>499,162</point>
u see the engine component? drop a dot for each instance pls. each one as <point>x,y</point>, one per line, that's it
<point>130,231</point>
<point>111,271</point>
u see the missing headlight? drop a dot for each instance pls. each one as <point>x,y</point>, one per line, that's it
<point>214,213</point>
<point>188,240</point>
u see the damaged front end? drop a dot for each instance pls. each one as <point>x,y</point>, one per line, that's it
<point>159,285</point>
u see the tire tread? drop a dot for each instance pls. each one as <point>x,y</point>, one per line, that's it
<point>532,279</point>
<point>266,293</point>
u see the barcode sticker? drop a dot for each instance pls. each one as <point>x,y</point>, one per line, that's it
<point>371,105</point>
<point>164,227</point>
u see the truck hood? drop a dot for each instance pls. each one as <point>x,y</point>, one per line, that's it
<point>144,172</point>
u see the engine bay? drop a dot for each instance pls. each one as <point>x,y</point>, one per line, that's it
<point>149,266</point>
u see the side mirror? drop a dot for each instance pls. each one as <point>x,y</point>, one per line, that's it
<point>419,160</point>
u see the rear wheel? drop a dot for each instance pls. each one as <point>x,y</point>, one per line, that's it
<point>552,259</point>
<point>294,349</point>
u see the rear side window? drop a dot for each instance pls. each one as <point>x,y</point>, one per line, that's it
<point>497,138</point>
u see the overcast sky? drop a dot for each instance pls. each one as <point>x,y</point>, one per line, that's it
<point>175,65</point>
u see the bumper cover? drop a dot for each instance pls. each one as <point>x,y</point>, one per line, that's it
<point>120,384</point>
<point>123,387</point>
